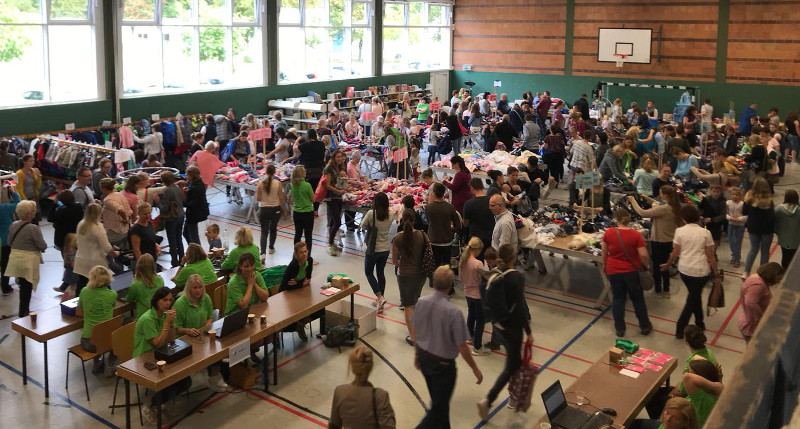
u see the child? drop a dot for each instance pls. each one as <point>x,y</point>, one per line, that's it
<point>413,162</point>
<point>68,253</point>
<point>505,191</point>
<point>215,249</point>
<point>152,161</point>
<point>490,256</point>
<point>470,269</point>
<point>96,305</point>
<point>736,221</point>
<point>714,211</point>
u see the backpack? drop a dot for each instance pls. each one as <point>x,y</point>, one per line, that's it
<point>342,335</point>
<point>444,145</point>
<point>495,307</point>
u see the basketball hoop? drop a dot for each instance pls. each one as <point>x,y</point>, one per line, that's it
<point>620,59</point>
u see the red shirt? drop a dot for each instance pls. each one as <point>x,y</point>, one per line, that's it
<point>617,262</point>
<point>460,189</point>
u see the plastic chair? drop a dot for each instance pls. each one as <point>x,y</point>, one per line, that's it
<point>101,338</point>
<point>122,346</point>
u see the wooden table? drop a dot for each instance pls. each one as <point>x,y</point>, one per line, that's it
<point>605,387</point>
<point>561,245</point>
<point>252,210</point>
<point>281,310</point>
<point>52,323</point>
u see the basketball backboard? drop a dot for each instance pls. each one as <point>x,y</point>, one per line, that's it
<point>634,43</point>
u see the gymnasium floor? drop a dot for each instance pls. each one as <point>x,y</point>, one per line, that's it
<point>569,333</point>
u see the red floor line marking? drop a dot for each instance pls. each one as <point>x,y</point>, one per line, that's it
<point>291,410</point>
<point>725,322</point>
<point>304,352</point>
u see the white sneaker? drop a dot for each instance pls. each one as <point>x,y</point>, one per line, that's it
<point>332,250</point>
<point>482,352</point>
<point>271,250</point>
<point>217,384</point>
<point>150,414</point>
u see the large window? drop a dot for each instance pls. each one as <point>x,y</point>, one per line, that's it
<point>324,39</point>
<point>416,36</point>
<point>177,45</point>
<point>48,51</point>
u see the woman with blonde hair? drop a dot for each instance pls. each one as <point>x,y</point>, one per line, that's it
<point>718,176</point>
<point>644,176</point>
<point>358,404</point>
<point>758,208</point>
<point>243,240</point>
<point>271,205</point>
<point>145,283</point>
<point>302,207</point>
<point>678,413</point>
<point>96,304</point>
<point>27,245</point>
<point>93,246</point>
<point>470,270</point>
<point>195,262</point>
<point>376,223</point>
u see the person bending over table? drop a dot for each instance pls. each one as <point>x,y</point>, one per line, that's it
<point>96,305</point>
<point>245,288</point>
<point>243,240</point>
<point>296,276</point>
<point>145,284</point>
<point>359,404</point>
<point>195,262</point>
<point>194,313</point>
<point>155,329</point>
<point>678,414</point>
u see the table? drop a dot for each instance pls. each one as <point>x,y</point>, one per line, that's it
<point>561,245</point>
<point>440,172</point>
<point>52,323</point>
<point>281,310</point>
<point>605,387</point>
<point>252,210</point>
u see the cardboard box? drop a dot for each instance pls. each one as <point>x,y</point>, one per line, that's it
<point>243,376</point>
<point>338,314</point>
<point>615,354</point>
<point>69,306</point>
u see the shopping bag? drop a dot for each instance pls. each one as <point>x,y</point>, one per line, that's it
<point>716,298</point>
<point>520,386</point>
<point>321,192</point>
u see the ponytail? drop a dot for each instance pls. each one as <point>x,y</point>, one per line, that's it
<point>267,185</point>
<point>674,202</point>
<point>475,243</point>
<point>407,222</point>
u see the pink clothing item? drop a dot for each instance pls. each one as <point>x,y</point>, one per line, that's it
<point>353,172</point>
<point>471,277</point>
<point>133,201</point>
<point>755,297</point>
<point>208,165</point>
<point>125,137</point>
<point>113,203</point>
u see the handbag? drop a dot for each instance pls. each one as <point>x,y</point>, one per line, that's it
<point>716,298</point>
<point>428,262</point>
<point>321,192</point>
<point>520,385</point>
<point>368,245</point>
<point>646,280</point>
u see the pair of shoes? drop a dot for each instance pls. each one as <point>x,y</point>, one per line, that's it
<point>217,384</point>
<point>98,367</point>
<point>401,307</point>
<point>736,263</point>
<point>381,304</point>
<point>301,332</point>
<point>149,413</point>
<point>483,409</point>
<point>55,288</point>
<point>678,336</point>
<point>620,334</point>
<point>374,302</point>
<point>230,198</point>
<point>332,250</point>
<point>408,340</point>
<point>8,293</point>
<point>647,331</point>
<point>263,258</point>
<point>271,250</point>
<point>481,352</point>
<point>491,345</point>
<point>255,359</point>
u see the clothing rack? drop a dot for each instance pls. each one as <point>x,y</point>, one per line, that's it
<point>79,144</point>
<point>94,128</point>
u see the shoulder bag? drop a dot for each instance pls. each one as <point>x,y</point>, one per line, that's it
<point>646,280</point>
<point>368,245</point>
<point>428,262</point>
<point>716,297</point>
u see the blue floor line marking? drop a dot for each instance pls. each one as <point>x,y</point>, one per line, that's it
<point>60,396</point>
<point>549,361</point>
<point>561,300</point>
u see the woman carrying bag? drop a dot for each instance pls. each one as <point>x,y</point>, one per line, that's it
<point>377,223</point>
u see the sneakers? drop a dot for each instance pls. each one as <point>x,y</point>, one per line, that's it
<point>301,332</point>
<point>271,250</point>
<point>332,250</point>
<point>491,345</point>
<point>735,263</point>
<point>381,304</point>
<point>150,415</point>
<point>263,258</point>
<point>620,334</point>
<point>217,384</point>
<point>481,352</point>
<point>230,198</point>
<point>647,330</point>
<point>483,409</point>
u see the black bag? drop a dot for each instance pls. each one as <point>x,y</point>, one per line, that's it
<point>342,335</point>
<point>495,306</point>
<point>444,144</point>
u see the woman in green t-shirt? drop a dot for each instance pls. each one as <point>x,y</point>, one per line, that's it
<point>145,283</point>
<point>245,287</point>
<point>703,387</point>
<point>302,206</point>
<point>678,414</point>
<point>195,261</point>
<point>244,244</point>
<point>96,305</point>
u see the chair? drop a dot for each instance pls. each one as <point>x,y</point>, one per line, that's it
<point>211,287</point>
<point>220,298</point>
<point>122,346</point>
<point>101,338</point>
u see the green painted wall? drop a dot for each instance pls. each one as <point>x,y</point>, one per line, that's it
<point>250,100</point>
<point>570,88</point>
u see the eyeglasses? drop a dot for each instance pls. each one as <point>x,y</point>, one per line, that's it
<point>494,205</point>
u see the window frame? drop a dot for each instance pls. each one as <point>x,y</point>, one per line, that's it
<point>406,26</point>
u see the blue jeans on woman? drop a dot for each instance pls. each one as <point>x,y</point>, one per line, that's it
<point>622,286</point>
<point>757,242</point>
<point>374,264</point>
<point>173,229</point>
<point>475,322</point>
<point>735,238</point>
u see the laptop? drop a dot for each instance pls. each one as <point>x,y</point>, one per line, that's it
<point>563,416</point>
<point>121,284</point>
<point>230,323</point>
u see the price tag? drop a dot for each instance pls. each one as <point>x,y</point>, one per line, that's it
<point>106,123</point>
<point>70,126</point>
<point>239,352</point>
<point>126,120</point>
<point>155,117</point>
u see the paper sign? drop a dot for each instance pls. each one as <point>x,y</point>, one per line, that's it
<point>259,134</point>
<point>368,116</point>
<point>586,181</point>
<point>661,360</point>
<point>635,368</point>
<point>498,83</point>
<point>435,106</point>
<point>629,373</point>
<point>69,127</point>
<point>106,123</point>
<point>239,352</point>
<point>126,120</point>
<point>155,116</point>
<point>653,367</point>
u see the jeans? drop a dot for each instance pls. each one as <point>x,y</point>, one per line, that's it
<point>757,242</point>
<point>173,229</point>
<point>475,322</point>
<point>786,256</point>
<point>659,254</point>
<point>268,217</point>
<point>25,291</point>
<point>83,281</point>
<point>191,233</point>
<point>540,120</point>
<point>694,303</point>
<point>4,254</point>
<point>303,225</point>
<point>622,286</point>
<point>555,164</point>
<point>512,335</point>
<point>735,238</point>
<point>374,264</point>
<point>440,377</point>
<point>334,219</point>
<point>441,256</point>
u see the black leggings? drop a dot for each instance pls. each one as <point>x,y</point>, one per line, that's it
<point>334,218</point>
<point>314,181</point>
<point>555,164</point>
<point>303,225</point>
<point>5,252</point>
<point>659,254</point>
<point>269,217</point>
<point>512,336</point>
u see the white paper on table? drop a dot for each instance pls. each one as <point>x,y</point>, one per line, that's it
<point>239,352</point>
<point>629,373</point>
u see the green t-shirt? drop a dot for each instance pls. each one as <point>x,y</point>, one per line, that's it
<point>423,116</point>
<point>205,268</point>
<point>704,353</point>
<point>98,306</point>
<point>188,315</point>
<point>147,327</point>
<point>301,197</point>
<point>232,260</point>
<point>236,289</point>
<point>301,271</point>
<point>703,402</point>
<point>141,294</point>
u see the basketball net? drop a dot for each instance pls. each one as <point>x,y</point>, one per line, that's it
<point>620,59</point>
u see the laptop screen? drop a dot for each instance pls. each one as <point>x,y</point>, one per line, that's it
<point>122,281</point>
<point>554,399</point>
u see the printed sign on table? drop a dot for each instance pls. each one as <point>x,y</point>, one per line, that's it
<point>259,134</point>
<point>435,106</point>
<point>587,180</point>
